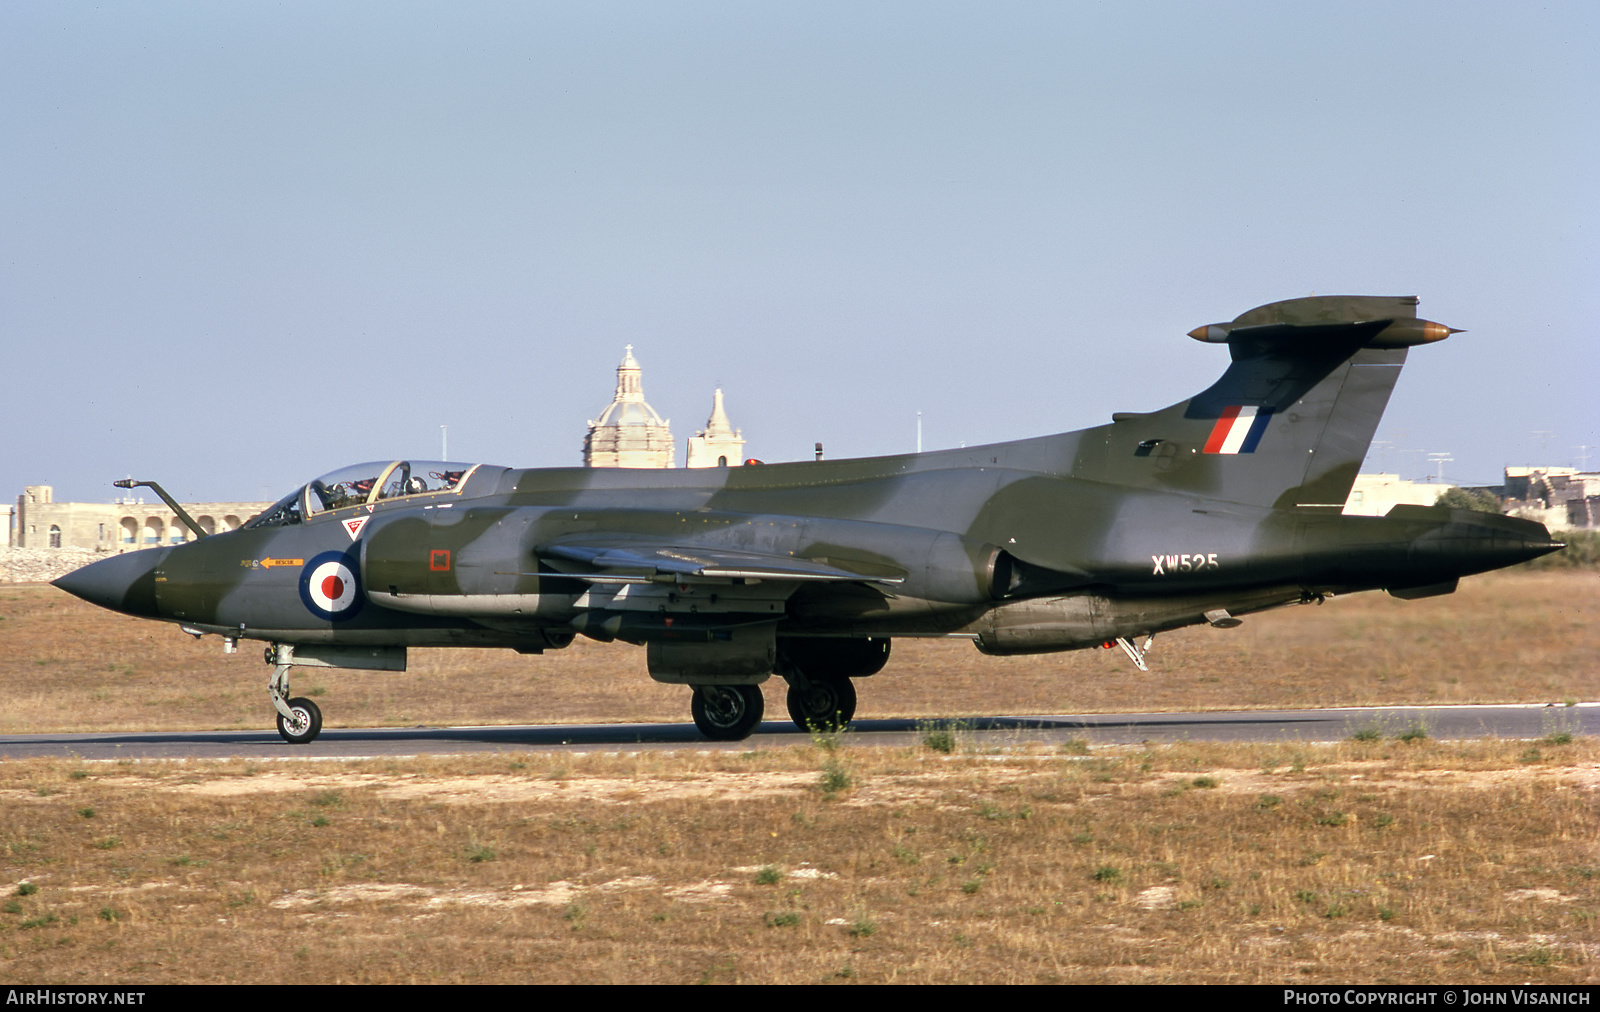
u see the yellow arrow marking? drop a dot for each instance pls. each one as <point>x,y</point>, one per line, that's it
<point>269,563</point>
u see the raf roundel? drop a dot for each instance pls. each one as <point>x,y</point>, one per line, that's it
<point>329,587</point>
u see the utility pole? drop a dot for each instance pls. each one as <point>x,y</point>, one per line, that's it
<point>1440,459</point>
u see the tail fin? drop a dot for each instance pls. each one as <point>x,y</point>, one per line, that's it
<point>1290,421</point>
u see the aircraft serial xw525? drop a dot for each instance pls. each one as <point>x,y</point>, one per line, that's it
<point>1225,504</point>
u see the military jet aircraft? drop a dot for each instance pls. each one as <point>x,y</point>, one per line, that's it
<point>1225,504</point>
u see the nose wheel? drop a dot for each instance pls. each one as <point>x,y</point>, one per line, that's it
<point>304,725</point>
<point>299,719</point>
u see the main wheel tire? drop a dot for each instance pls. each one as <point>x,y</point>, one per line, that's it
<point>827,705</point>
<point>307,724</point>
<point>727,712</point>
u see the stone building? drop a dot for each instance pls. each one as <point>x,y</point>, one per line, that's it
<point>628,432</point>
<point>719,444</point>
<point>120,526</point>
<point>1374,495</point>
<point>1561,498</point>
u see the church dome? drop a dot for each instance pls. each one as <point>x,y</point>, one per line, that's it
<point>629,432</point>
<point>629,413</point>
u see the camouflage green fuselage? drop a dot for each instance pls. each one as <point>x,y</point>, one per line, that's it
<point>1227,503</point>
<point>961,532</point>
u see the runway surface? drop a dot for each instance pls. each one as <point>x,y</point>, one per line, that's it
<point>1520,721</point>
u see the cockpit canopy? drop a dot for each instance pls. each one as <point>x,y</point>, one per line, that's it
<point>365,484</point>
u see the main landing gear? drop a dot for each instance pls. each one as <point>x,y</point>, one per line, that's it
<point>726,676</point>
<point>732,712</point>
<point>822,695</point>
<point>727,712</point>
<point>821,704</point>
<point>299,719</point>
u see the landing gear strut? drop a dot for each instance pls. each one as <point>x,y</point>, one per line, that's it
<point>727,712</point>
<point>299,719</point>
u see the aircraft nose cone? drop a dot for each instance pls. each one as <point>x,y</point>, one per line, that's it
<point>124,583</point>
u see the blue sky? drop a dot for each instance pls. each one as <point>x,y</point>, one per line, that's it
<point>246,244</point>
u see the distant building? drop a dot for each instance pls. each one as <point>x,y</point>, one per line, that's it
<point>719,444</point>
<point>1374,495</point>
<point>1561,498</point>
<point>121,526</point>
<point>628,432</point>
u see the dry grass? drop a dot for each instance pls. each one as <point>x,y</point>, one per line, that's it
<point>1385,862</point>
<point>1364,861</point>
<point>1527,636</point>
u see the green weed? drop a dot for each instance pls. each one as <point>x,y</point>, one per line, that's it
<point>940,736</point>
<point>835,778</point>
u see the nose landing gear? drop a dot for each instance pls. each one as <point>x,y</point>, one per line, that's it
<point>304,725</point>
<point>299,719</point>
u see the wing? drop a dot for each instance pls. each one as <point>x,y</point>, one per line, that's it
<point>644,588</point>
<point>640,559</point>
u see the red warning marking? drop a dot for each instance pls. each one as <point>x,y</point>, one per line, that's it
<point>439,560</point>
